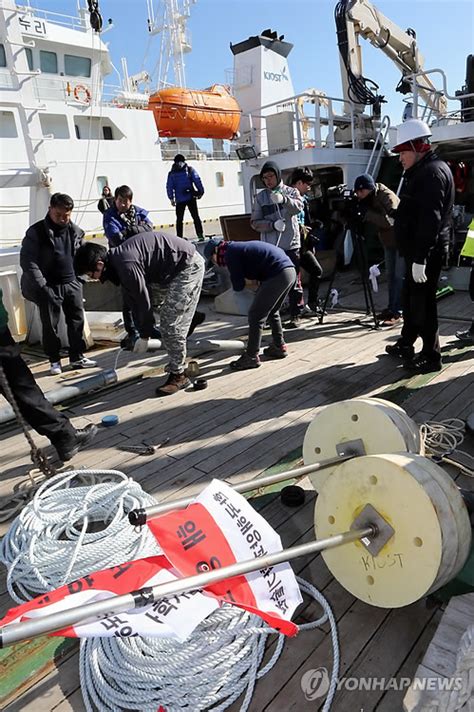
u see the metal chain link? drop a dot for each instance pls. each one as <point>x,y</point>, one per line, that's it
<point>38,458</point>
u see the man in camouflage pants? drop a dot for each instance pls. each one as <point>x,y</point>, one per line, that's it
<point>166,264</point>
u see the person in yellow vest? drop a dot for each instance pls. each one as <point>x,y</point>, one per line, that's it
<point>467,336</point>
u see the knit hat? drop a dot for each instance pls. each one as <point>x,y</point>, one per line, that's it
<point>179,158</point>
<point>364,182</point>
<point>271,166</point>
<point>209,249</point>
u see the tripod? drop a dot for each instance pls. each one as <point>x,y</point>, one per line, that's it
<point>361,262</point>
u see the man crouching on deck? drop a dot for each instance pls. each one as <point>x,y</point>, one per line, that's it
<point>161,261</point>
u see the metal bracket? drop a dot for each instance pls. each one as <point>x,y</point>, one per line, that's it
<point>351,447</point>
<point>383,530</point>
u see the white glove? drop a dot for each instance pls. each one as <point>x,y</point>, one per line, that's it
<point>279,225</point>
<point>140,346</point>
<point>276,197</point>
<point>418,273</point>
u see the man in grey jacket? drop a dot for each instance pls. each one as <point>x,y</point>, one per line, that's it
<point>143,263</point>
<point>48,280</point>
<point>275,217</point>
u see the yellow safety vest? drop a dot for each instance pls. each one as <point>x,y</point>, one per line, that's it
<point>468,247</point>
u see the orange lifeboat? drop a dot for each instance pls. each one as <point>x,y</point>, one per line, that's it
<point>187,113</point>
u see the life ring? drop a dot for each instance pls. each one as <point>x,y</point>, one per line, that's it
<point>82,94</point>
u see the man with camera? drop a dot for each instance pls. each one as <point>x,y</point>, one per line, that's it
<point>422,230</point>
<point>184,188</point>
<point>377,204</point>
<point>275,217</point>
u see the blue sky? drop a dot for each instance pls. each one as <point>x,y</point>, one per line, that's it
<point>445,32</point>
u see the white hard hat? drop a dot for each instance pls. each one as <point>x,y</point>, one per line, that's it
<point>409,131</point>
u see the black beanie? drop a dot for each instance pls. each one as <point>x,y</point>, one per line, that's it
<point>271,166</point>
<point>179,158</point>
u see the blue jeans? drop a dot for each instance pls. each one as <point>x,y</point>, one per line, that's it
<point>395,266</point>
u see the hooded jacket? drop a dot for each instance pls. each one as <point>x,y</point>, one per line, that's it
<point>183,183</point>
<point>37,255</point>
<point>382,204</point>
<point>147,258</point>
<point>265,213</point>
<point>424,215</point>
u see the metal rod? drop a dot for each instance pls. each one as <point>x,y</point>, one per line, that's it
<point>138,517</point>
<point>14,633</point>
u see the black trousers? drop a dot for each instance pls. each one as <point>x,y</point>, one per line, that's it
<point>420,312</point>
<point>311,265</point>
<point>193,209</point>
<point>70,302</point>
<point>295,295</point>
<point>36,410</point>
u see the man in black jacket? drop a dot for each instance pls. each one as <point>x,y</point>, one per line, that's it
<point>422,228</point>
<point>48,279</point>
<point>148,262</point>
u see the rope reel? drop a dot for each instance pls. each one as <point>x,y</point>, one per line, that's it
<point>363,426</point>
<point>76,523</point>
<point>430,529</point>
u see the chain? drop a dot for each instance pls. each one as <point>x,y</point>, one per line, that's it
<point>38,458</point>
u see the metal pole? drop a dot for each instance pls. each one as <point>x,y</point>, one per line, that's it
<point>138,517</point>
<point>14,633</point>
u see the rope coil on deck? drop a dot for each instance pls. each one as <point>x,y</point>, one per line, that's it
<point>76,523</point>
<point>211,669</point>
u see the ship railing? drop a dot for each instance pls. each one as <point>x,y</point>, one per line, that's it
<point>426,111</point>
<point>290,127</point>
<point>74,22</point>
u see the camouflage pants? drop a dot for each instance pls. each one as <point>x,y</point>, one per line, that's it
<point>178,302</point>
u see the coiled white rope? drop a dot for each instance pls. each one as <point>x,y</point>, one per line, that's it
<point>442,439</point>
<point>69,530</point>
<point>211,669</point>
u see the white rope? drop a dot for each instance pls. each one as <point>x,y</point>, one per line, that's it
<point>217,663</point>
<point>442,439</point>
<point>76,524</point>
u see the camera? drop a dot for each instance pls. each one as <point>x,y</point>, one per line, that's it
<point>340,192</point>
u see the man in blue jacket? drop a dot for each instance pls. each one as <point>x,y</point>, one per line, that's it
<point>123,220</point>
<point>184,188</point>
<point>275,274</point>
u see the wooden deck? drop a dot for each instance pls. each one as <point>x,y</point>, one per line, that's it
<point>243,424</point>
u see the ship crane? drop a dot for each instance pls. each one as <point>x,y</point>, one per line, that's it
<point>359,18</point>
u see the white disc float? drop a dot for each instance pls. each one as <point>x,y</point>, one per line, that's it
<point>432,533</point>
<point>377,425</point>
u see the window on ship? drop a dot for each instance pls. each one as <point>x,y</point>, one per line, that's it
<point>77,66</point>
<point>48,62</point>
<point>3,58</point>
<point>29,58</point>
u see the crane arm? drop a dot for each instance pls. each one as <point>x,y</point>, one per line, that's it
<point>362,19</point>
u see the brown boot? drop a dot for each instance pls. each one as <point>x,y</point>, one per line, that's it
<point>175,382</point>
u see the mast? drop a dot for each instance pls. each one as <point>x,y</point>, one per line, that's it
<point>170,22</point>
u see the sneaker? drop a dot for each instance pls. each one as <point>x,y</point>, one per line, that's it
<point>385,314</point>
<point>245,362</point>
<point>391,321</point>
<point>82,438</point>
<point>174,383</point>
<point>423,364</point>
<point>197,319</point>
<point>155,334</point>
<point>83,362</point>
<point>274,351</point>
<point>55,368</point>
<point>307,312</point>
<point>294,323</point>
<point>400,350</point>
<point>467,337</point>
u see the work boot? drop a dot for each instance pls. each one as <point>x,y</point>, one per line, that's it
<point>294,323</point>
<point>274,351</point>
<point>467,337</point>
<point>82,438</point>
<point>174,383</point>
<point>423,364</point>
<point>245,362</point>
<point>128,342</point>
<point>400,350</point>
<point>197,319</point>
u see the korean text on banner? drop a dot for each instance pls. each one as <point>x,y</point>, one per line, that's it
<point>218,530</point>
<point>171,617</point>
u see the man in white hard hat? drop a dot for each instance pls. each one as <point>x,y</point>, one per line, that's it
<point>422,230</point>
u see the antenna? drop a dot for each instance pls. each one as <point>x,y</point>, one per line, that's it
<point>170,22</point>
